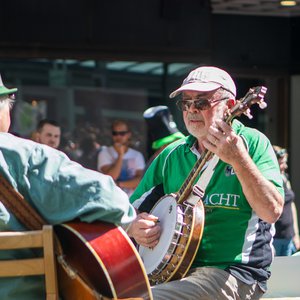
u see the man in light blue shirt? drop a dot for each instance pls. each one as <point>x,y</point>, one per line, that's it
<point>60,189</point>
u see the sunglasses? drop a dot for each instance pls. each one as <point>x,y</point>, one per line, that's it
<point>122,133</point>
<point>200,104</point>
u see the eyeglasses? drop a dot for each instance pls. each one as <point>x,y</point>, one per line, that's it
<point>200,104</point>
<point>12,96</point>
<point>8,96</point>
<point>122,133</point>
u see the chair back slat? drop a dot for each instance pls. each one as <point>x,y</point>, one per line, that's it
<point>20,239</point>
<point>45,265</point>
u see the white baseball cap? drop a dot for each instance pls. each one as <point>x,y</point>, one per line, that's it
<point>206,79</point>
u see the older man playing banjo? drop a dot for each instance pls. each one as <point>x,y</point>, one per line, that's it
<point>242,199</point>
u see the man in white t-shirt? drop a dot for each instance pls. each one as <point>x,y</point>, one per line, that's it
<point>124,164</point>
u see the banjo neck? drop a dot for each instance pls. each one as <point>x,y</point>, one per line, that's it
<point>186,188</point>
<point>254,95</point>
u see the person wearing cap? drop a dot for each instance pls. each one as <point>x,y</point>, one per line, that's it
<point>7,97</point>
<point>162,129</point>
<point>286,239</point>
<point>242,201</point>
<point>59,189</point>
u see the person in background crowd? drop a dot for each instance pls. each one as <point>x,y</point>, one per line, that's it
<point>90,150</point>
<point>48,132</point>
<point>59,189</point>
<point>124,164</point>
<point>243,200</point>
<point>286,239</point>
<point>162,130</point>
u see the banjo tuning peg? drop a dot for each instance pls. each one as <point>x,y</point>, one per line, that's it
<point>262,104</point>
<point>248,113</point>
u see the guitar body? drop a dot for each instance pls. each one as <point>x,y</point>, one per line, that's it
<point>105,259</point>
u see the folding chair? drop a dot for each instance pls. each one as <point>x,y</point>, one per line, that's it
<point>44,265</point>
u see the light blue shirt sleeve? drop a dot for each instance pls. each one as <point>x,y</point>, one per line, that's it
<point>60,189</point>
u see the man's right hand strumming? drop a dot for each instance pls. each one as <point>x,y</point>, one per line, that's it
<point>145,230</point>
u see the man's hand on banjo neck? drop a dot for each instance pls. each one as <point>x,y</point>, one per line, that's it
<point>145,230</point>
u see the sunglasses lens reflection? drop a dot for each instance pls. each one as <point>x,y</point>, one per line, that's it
<point>201,104</point>
<point>122,133</point>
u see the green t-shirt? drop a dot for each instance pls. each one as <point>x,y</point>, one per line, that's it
<point>234,237</point>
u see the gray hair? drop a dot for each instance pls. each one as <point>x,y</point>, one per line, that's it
<point>225,94</point>
<point>6,100</point>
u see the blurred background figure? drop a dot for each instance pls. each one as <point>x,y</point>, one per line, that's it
<point>48,132</point>
<point>90,149</point>
<point>162,130</point>
<point>124,164</point>
<point>286,239</point>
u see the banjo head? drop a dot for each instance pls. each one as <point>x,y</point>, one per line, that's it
<point>170,218</point>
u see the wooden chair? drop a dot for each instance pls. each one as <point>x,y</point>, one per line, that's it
<point>44,265</point>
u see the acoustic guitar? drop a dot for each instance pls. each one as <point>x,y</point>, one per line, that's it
<point>99,261</point>
<point>95,261</point>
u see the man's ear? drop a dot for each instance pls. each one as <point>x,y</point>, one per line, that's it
<point>36,137</point>
<point>230,103</point>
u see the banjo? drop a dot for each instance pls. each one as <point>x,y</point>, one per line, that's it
<point>181,215</point>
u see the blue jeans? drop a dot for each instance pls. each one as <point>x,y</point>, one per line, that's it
<point>284,247</point>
